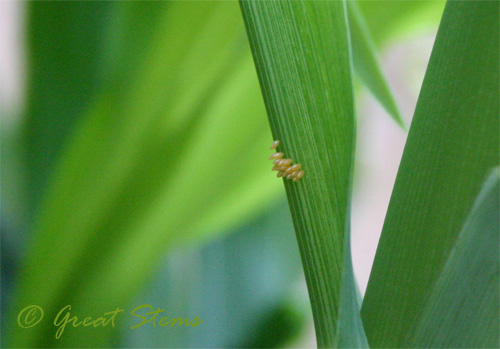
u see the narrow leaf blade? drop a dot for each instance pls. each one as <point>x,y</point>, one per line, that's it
<point>366,64</point>
<point>302,57</point>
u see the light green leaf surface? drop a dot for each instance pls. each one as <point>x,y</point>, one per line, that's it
<point>302,57</point>
<point>452,144</point>
<point>463,309</point>
<point>169,150</point>
<point>366,63</point>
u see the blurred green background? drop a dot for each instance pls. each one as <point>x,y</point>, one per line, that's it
<point>135,171</point>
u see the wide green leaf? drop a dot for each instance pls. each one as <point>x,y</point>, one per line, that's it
<point>452,144</point>
<point>463,309</point>
<point>302,55</point>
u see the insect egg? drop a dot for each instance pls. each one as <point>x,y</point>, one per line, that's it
<point>275,145</point>
<point>293,168</point>
<point>276,156</point>
<point>298,176</point>
<point>284,164</point>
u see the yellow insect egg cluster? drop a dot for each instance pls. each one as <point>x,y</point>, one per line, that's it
<point>284,166</point>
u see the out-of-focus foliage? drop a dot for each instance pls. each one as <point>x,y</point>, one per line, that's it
<point>390,20</point>
<point>65,73</point>
<point>239,285</point>
<point>366,64</point>
<point>170,145</point>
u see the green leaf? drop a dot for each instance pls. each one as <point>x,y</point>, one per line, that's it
<point>306,82</point>
<point>157,161</point>
<point>452,144</point>
<point>366,63</point>
<point>463,309</point>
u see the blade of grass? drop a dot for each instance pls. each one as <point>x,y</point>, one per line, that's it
<point>302,57</point>
<point>463,310</point>
<point>366,64</point>
<point>149,167</point>
<point>452,144</point>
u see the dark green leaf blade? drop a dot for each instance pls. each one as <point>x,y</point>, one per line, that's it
<point>463,310</point>
<point>302,57</point>
<point>65,72</point>
<point>453,142</point>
